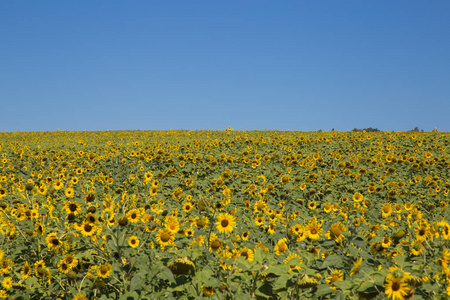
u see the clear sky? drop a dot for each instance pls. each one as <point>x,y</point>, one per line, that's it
<point>251,65</point>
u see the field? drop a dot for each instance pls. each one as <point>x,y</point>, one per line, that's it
<point>224,215</point>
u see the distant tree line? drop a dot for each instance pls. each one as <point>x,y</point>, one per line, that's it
<point>370,129</point>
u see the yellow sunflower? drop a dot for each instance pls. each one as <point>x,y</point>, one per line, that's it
<point>69,192</point>
<point>134,215</point>
<point>336,275</point>
<point>165,237</point>
<point>26,270</point>
<point>53,242</point>
<point>72,207</point>
<point>396,288</point>
<point>225,223</point>
<point>104,270</point>
<point>247,253</point>
<point>133,241</point>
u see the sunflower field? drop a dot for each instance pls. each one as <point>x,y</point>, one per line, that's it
<point>224,215</point>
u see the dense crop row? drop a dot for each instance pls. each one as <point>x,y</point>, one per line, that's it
<point>224,214</point>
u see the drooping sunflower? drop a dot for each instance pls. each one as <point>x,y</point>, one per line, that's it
<point>201,223</point>
<point>165,237</point>
<point>225,223</point>
<point>133,241</point>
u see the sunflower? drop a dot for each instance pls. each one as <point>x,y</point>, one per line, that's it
<point>446,231</point>
<point>39,228</point>
<point>335,232</point>
<point>201,223</point>
<point>70,260</point>
<point>421,232</point>
<point>396,288</point>
<point>7,282</point>
<point>245,235</point>
<point>134,215</point>
<point>386,242</point>
<point>69,192</point>
<point>133,241</point>
<point>153,191</point>
<point>215,244</point>
<point>86,228</point>
<point>312,205</point>
<point>72,207</point>
<point>63,267</point>
<point>313,229</point>
<point>357,197</point>
<point>259,221</point>
<point>356,267</point>
<point>57,185</point>
<point>207,290</point>
<point>225,223</point>
<point>288,261</point>
<point>247,253</point>
<point>80,297</point>
<point>281,246</point>
<point>53,242</point>
<point>336,275</point>
<point>416,248</point>
<point>104,270</point>
<point>91,218</point>
<point>386,210</point>
<point>165,237</point>
<point>26,270</point>
<point>173,226</point>
<point>3,192</point>
<point>187,207</point>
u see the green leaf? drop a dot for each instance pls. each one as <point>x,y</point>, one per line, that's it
<point>332,260</point>
<point>166,274</point>
<point>343,285</point>
<point>323,289</point>
<point>129,296</point>
<point>135,282</point>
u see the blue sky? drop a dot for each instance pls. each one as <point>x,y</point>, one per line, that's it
<point>251,65</point>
